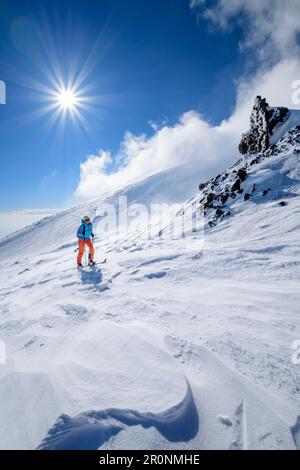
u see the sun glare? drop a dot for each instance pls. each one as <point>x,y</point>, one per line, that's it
<point>67,103</point>
<point>67,99</point>
<point>63,88</point>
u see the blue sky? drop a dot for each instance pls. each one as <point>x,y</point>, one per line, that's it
<point>146,61</point>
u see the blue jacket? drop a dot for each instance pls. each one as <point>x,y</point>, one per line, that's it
<point>85,231</point>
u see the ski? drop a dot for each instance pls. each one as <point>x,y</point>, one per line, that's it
<point>92,265</point>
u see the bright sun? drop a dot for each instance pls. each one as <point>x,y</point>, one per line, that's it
<point>68,102</point>
<point>67,99</point>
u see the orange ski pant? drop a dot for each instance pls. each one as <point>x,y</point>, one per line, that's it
<point>81,245</point>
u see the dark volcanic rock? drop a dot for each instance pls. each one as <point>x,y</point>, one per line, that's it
<point>263,121</point>
<point>242,174</point>
<point>210,197</point>
<point>219,213</point>
<point>224,198</point>
<point>236,186</point>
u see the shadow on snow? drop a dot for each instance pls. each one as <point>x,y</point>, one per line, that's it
<point>90,430</point>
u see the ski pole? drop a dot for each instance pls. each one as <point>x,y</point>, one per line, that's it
<point>85,256</point>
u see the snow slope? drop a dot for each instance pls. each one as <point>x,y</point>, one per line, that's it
<point>16,220</point>
<point>53,233</point>
<point>171,344</point>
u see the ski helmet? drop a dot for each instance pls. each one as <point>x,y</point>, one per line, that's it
<point>86,218</point>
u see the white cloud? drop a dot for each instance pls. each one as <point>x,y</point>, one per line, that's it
<point>193,141</point>
<point>271,27</point>
<point>196,3</point>
<point>276,84</point>
<point>93,174</point>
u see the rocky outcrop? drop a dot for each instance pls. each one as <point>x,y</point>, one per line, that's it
<point>263,121</point>
<point>219,196</point>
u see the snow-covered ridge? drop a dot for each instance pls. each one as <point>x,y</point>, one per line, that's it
<point>17,220</point>
<point>60,229</point>
<point>273,174</point>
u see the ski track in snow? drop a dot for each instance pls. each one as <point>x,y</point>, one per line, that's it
<point>168,345</point>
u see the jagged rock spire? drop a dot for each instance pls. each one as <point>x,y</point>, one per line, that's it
<point>263,121</point>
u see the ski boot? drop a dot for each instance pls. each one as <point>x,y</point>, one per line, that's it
<point>91,261</point>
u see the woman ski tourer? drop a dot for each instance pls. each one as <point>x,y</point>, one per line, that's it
<point>85,236</point>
